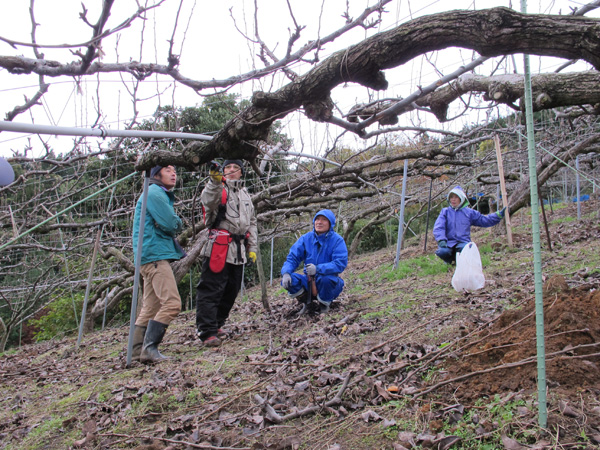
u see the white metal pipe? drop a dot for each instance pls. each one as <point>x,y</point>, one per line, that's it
<point>99,132</point>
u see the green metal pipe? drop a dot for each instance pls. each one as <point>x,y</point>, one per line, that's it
<point>12,241</point>
<point>537,252</point>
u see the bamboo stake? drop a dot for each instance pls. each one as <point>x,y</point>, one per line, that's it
<point>503,189</point>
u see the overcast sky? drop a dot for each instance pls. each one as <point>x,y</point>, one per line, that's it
<point>212,48</point>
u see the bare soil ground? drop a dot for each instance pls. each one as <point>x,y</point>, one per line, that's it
<point>400,362</point>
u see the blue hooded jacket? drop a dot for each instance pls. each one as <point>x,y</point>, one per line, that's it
<point>160,227</point>
<point>454,225</point>
<point>327,251</point>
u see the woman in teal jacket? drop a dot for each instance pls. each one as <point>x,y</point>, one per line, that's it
<point>160,227</point>
<point>161,302</point>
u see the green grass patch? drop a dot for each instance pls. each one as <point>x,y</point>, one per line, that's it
<point>49,434</point>
<point>421,266</point>
<point>564,220</point>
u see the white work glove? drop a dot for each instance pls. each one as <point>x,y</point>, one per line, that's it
<point>286,281</point>
<point>311,270</point>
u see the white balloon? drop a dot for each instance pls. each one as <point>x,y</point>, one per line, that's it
<point>7,174</point>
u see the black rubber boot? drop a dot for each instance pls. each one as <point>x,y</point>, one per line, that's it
<point>154,336</point>
<point>324,307</point>
<point>138,340</point>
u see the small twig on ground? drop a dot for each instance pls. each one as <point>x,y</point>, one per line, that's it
<point>275,417</point>
<point>173,441</point>
<point>242,392</point>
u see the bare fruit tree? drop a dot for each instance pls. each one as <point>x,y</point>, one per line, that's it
<point>303,77</point>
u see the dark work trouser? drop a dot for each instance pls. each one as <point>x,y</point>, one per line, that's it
<point>448,254</point>
<point>215,296</point>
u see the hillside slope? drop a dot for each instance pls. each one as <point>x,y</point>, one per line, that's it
<point>402,361</point>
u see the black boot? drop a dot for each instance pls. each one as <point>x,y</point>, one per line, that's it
<point>138,340</point>
<point>154,336</point>
<point>302,298</point>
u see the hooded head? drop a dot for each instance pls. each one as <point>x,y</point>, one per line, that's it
<point>328,215</point>
<point>7,174</point>
<point>460,194</point>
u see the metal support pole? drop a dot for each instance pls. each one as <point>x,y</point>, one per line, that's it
<point>191,288</point>
<point>565,188</point>
<point>242,286</point>
<point>537,258</point>
<point>262,280</point>
<point>136,276</point>
<point>62,243</point>
<point>401,217</point>
<point>272,245</point>
<point>89,285</point>
<point>428,211</point>
<point>112,195</point>
<point>578,186</point>
<point>105,307</point>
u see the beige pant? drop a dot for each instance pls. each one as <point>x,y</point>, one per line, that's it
<point>161,300</point>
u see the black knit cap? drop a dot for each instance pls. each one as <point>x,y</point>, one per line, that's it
<point>238,162</point>
<point>154,171</point>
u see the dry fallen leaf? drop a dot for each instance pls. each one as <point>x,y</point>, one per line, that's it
<point>511,444</point>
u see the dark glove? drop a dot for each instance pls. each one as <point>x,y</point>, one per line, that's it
<point>286,281</point>
<point>501,212</point>
<point>442,244</point>
<point>311,270</point>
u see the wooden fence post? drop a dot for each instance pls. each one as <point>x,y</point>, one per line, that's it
<point>503,189</point>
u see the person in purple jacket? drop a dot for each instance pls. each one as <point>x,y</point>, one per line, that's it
<point>452,229</point>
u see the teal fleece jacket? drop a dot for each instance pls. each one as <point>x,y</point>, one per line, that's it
<point>160,227</point>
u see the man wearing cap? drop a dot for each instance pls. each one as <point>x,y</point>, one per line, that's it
<point>161,302</point>
<point>325,256</point>
<point>229,214</point>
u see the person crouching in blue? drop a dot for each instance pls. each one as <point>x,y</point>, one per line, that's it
<point>325,256</point>
<point>452,229</point>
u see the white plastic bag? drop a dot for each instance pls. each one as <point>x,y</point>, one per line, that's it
<point>468,275</point>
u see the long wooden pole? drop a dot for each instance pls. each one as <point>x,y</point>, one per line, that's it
<point>503,190</point>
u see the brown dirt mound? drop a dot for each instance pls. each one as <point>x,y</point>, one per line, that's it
<point>571,328</point>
